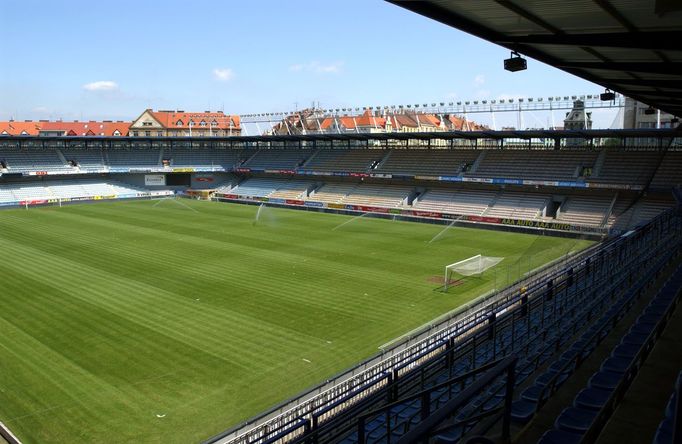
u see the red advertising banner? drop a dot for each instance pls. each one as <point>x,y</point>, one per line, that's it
<point>294,202</point>
<point>489,220</point>
<point>425,214</point>
<point>371,209</point>
<point>33,202</point>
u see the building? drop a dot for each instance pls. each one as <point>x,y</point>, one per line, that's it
<point>639,115</point>
<point>14,128</point>
<point>378,121</point>
<point>106,128</point>
<point>58,128</point>
<point>578,118</point>
<point>164,123</point>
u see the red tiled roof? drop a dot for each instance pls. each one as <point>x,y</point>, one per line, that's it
<point>14,128</point>
<point>170,119</point>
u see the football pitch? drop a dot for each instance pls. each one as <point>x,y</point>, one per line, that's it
<point>168,321</point>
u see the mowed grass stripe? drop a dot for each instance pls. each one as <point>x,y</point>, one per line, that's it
<point>106,296</point>
<point>144,304</point>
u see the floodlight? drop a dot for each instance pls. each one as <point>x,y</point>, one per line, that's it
<point>607,95</point>
<point>515,62</point>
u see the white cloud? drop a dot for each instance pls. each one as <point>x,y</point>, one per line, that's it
<point>223,74</point>
<point>479,80</point>
<point>317,67</point>
<point>101,85</point>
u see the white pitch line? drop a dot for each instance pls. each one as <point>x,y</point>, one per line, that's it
<point>306,360</point>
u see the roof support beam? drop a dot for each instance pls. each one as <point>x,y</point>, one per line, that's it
<point>644,67</point>
<point>666,40</point>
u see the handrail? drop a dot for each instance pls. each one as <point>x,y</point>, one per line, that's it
<point>428,424</point>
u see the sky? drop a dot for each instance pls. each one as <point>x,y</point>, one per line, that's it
<point>112,60</point>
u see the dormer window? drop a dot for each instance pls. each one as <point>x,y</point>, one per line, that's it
<point>202,123</point>
<point>178,123</point>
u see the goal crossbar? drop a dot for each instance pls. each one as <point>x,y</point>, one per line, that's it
<point>474,265</point>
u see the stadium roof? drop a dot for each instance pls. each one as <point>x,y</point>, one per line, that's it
<point>630,46</point>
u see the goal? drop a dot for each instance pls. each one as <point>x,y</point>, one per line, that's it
<point>470,267</point>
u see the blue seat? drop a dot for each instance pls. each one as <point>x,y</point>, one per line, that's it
<point>634,339</point>
<point>450,435</point>
<point>546,377</point>
<point>656,310</point>
<point>642,328</point>
<point>555,436</point>
<point>616,364</point>
<point>605,380</point>
<point>626,350</point>
<point>523,411</point>
<point>575,420</point>
<point>664,432</point>
<point>592,398</point>
<point>533,392</point>
<point>670,407</point>
<point>648,319</point>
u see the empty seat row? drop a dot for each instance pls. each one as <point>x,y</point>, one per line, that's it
<point>606,386</point>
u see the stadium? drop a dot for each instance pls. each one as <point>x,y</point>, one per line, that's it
<point>325,285</point>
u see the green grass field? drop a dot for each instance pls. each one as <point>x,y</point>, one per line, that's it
<point>170,321</point>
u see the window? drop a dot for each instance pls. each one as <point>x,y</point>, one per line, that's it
<point>178,123</point>
<point>117,133</point>
<point>202,123</point>
<point>135,133</point>
<point>147,133</point>
<point>146,123</point>
<point>159,133</point>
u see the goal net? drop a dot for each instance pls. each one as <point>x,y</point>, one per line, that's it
<point>470,267</point>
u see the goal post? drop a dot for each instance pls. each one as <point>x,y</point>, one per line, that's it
<point>472,266</point>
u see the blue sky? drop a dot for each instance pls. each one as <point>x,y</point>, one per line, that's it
<point>111,60</point>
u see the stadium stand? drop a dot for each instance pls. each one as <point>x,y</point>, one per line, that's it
<point>275,159</point>
<point>65,189</point>
<point>378,195</point>
<point>332,192</point>
<point>470,202</point>
<point>32,160</point>
<point>670,428</point>
<point>518,205</point>
<point>594,404</point>
<point>627,167</point>
<point>669,173</point>
<point>202,157</point>
<point>353,160</point>
<point>535,164</point>
<point>133,158</point>
<point>280,188</point>
<point>92,158</point>
<point>428,162</point>
<point>585,210</point>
